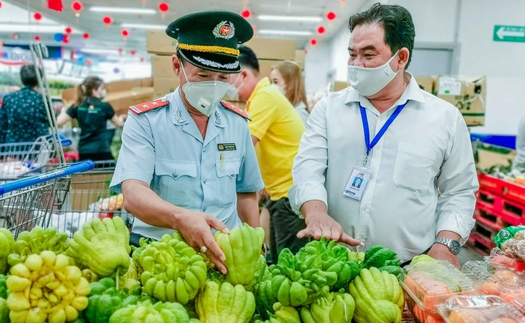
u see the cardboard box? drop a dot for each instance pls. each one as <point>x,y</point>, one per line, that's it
<point>120,86</point>
<point>266,66</point>
<point>339,85</point>
<point>164,85</point>
<point>427,83</point>
<point>277,49</point>
<point>161,67</point>
<point>490,155</point>
<point>468,94</point>
<point>300,57</point>
<point>121,101</point>
<point>87,189</point>
<point>157,42</point>
<point>69,96</point>
<point>147,82</point>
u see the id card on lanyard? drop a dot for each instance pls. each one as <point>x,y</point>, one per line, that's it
<point>361,174</point>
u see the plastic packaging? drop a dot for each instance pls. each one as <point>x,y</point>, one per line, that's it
<point>479,309</point>
<point>430,284</point>
<point>479,271</point>
<point>506,234</point>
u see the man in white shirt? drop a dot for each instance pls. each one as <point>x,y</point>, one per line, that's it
<point>405,144</point>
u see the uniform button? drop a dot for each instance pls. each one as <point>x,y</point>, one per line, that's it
<point>204,181</point>
<point>203,209</point>
<point>204,150</point>
<point>174,174</point>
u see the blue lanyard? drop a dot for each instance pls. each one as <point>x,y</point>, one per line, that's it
<point>371,145</point>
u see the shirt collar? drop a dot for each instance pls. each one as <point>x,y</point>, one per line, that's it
<point>413,93</point>
<point>264,82</point>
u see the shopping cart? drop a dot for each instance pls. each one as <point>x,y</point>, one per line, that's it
<point>28,202</point>
<point>89,197</point>
<point>21,159</point>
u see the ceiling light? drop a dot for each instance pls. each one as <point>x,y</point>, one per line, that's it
<point>35,28</point>
<point>142,26</point>
<point>98,51</point>
<point>123,10</point>
<point>285,32</point>
<point>290,18</point>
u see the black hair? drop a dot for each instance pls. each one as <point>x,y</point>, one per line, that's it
<point>396,22</point>
<point>28,75</point>
<point>247,58</point>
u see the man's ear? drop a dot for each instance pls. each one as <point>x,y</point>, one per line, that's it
<point>244,74</point>
<point>176,64</point>
<point>403,57</point>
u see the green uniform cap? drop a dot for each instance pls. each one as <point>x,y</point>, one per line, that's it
<point>210,39</point>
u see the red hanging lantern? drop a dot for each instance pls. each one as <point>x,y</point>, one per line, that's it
<point>107,20</point>
<point>124,33</point>
<point>77,6</point>
<point>133,52</point>
<point>246,14</point>
<point>37,38</point>
<point>163,7</point>
<point>0,4</point>
<point>55,5</point>
<point>86,35</point>
<point>65,39</point>
<point>321,30</point>
<point>37,16</point>
<point>331,16</point>
<point>68,30</point>
<point>313,41</point>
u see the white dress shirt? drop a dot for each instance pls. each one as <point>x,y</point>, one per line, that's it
<point>425,150</point>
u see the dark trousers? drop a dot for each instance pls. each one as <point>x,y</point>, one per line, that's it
<point>284,226</point>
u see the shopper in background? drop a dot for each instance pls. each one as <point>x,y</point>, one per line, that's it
<point>276,131</point>
<point>287,75</point>
<point>23,116</point>
<point>92,115</point>
<point>416,146</point>
<point>187,162</point>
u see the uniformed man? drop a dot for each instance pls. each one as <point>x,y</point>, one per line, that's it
<point>187,161</point>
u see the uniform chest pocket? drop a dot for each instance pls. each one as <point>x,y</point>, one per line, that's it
<point>176,181</point>
<point>227,171</point>
<point>413,167</point>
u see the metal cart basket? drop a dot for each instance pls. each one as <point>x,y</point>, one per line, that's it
<point>28,202</point>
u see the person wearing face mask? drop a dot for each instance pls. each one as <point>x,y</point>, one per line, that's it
<point>23,116</point>
<point>187,162</point>
<point>276,130</point>
<point>92,115</point>
<point>287,75</point>
<point>410,149</point>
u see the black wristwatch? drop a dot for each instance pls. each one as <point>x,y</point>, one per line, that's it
<point>453,245</point>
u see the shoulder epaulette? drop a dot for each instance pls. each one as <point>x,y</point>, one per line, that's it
<point>231,107</point>
<point>148,106</point>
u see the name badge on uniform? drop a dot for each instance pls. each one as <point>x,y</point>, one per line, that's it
<point>357,183</point>
<point>227,147</point>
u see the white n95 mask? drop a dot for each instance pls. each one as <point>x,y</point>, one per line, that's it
<point>369,81</point>
<point>204,96</point>
<point>233,92</point>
